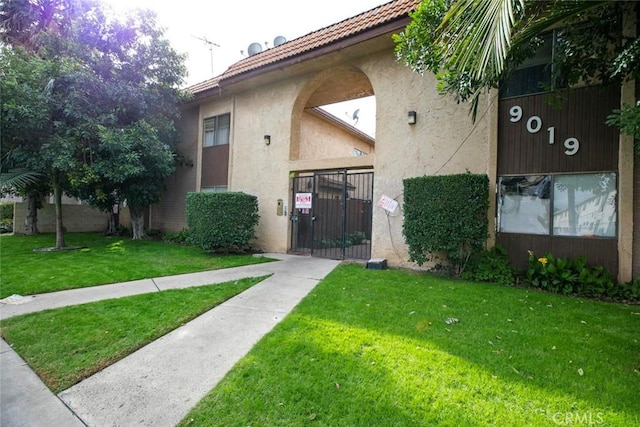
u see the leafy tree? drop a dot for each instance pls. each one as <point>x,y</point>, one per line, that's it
<point>134,150</point>
<point>24,119</point>
<point>473,45</point>
<point>111,94</point>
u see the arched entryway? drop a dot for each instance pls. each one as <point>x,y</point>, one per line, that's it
<point>332,152</point>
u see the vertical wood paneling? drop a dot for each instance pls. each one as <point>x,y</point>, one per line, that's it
<point>597,251</point>
<point>578,113</point>
<point>215,165</point>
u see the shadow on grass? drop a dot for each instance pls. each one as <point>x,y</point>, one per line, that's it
<point>373,348</point>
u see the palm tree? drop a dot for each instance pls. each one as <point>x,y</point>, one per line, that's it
<point>480,35</point>
<point>474,44</point>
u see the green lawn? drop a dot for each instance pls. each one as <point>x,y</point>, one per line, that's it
<point>65,345</point>
<point>102,260</point>
<point>384,348</point>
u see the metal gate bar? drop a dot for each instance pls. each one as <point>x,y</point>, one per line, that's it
<point>338,223</point>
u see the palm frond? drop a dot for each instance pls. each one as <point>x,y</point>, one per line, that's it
<point>481,33</point>
<point>19,179</point>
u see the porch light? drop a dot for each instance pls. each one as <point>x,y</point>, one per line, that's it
<point>267,139</point>
<point>411,118</point>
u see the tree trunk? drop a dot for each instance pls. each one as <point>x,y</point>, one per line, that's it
<point>114,220</point>
<point>112,229</point>
<point>137,223</point>
<point>57,195</point>
<point>31,218</point>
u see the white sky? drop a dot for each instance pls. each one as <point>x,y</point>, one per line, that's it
<point>235,24</point>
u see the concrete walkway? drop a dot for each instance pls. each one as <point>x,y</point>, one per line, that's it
<point>158,384</point>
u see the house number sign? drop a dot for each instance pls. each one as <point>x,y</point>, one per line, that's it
<point>534,125</point>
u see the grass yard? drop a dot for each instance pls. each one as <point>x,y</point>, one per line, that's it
<point>396,348</point>
<point>103,260</point>
<point>66,345</point>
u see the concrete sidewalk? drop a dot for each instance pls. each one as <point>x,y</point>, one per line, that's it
<point>160,383</point>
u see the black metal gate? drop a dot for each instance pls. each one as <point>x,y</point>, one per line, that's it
<point>331,215</point>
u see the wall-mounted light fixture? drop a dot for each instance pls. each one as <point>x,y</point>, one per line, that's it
<point>267,139</point>
<point>411,118</point>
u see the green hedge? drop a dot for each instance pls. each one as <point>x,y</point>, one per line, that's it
<point>445,216</point>
<point>222,221</point>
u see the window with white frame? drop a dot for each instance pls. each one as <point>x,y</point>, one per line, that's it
<point>561,205</point>
<point>216,130</point>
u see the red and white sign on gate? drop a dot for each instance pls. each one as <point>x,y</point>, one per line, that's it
<point>303,200</point>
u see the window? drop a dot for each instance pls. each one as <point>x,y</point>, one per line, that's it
<point>534,74</point>
<point>214,189</point>
<point>216,130</point>
<point>582,205</point>
<point>524,204</point>
<point>357,152</point>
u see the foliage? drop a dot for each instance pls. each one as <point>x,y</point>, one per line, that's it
<point>472,46</point>
<point>446,215</point>
<point>6,217</point>
<point>573,276</point>
<point>492,265</point>
<point>179,238</point>
<point>350,239</point>
<point>95,110</point>
<point>222,221</point>
<point>628,120</point>
<point>629,291</point>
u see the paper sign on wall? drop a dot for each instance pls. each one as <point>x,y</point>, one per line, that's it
<point>387,203</point>
<point>303,200</point>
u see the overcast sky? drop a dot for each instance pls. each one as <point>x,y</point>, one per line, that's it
<point>234,25</point>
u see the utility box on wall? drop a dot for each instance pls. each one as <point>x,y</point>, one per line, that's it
<point>280,207</point>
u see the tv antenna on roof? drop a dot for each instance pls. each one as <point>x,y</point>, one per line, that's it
<point>211,45</point>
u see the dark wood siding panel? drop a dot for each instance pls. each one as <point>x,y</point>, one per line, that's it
<point>578,113</point>
<point>597,251</point>
<point>215,165</point>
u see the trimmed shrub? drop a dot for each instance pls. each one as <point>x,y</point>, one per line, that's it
<point>222,221</point>
<point>446,216</point>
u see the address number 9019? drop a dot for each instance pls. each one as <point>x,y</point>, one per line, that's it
<point>534,125</point>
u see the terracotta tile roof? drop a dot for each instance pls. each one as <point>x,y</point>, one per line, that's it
<point>202,86</point>
<point>384,14</point>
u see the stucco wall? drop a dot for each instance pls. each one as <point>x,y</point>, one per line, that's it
<point>259,169</point>
<point>169,214</point>
<point>443,141</point>
<point>325,141</point>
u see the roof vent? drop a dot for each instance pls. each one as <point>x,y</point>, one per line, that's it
<point>254,48</point>
<point>278,41</point>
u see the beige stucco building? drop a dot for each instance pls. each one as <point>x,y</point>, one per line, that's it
<point>258,129</point>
